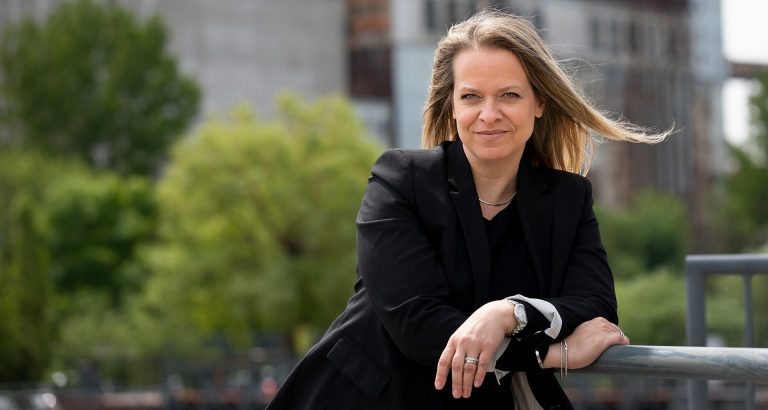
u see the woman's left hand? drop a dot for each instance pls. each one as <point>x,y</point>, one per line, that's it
<point>477,338</point>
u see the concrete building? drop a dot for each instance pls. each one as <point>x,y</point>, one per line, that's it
<point>241,50</point>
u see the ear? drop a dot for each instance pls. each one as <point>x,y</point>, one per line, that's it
<point>540,105</point>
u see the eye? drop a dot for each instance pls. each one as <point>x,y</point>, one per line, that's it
<point>510,94</point>
<point>469,96</point>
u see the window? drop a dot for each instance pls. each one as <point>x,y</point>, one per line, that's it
<point>429,15</point>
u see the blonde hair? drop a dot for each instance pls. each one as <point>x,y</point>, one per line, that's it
<point>561,138</point>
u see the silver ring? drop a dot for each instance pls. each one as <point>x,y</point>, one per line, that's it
<point>472,360</point>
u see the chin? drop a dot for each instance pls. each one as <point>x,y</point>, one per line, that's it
<point>496,155</point>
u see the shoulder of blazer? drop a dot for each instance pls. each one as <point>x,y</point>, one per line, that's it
<point>562,183</point>
<point>415,159</point>
<point>402,169</point>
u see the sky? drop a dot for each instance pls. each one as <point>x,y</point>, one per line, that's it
<point>745,39</point>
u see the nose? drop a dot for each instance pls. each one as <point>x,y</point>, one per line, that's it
<point>489,112</point>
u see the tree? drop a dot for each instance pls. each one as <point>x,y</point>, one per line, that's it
<point>69,237</point>
<point>94,82</point>
<point>96,224</point>
<point>744,215</point>
<point>646,246</point>
<point>648,235</point>
<point>25,286</point>
<point>257,221</point>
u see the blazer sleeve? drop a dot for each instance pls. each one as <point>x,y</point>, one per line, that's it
<point>399,266</point>
<point>585,289</point>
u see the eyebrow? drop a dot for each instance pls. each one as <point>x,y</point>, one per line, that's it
<point>515,88</point>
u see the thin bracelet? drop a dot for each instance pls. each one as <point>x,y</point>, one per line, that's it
<point>566,358</point>
<point>538,358</point>
<point>561,361</point>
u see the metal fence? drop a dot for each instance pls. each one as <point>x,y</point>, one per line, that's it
<point>695,361</point>
<point>697,268</point>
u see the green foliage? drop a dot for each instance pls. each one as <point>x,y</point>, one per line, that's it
<point>25,287</point>
<point>96,223</point>
<point>94,82</point>
<point>650,234</point>
<point>652,308</point>
<point>257,221</point>
<point>743,220</point>
<point>646,245</point>
<point>725,310</point>
<point>68,244</point>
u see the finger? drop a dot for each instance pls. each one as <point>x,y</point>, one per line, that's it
<point>625,337</point>
<point>443,367</point>
<point>470,368</point>
<point>616,338</point>
<point>457,373</point>
<point>482,367</point>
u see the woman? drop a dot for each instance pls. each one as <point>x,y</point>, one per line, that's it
<point>480,265</point>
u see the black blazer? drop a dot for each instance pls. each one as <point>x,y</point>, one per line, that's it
<point>414,287</point>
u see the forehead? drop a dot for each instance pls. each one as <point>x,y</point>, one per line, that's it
<point>477,66</point>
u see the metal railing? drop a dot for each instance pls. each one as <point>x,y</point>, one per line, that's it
<point>695,361</point>
<point>684,362</point>
<point>697,268</point>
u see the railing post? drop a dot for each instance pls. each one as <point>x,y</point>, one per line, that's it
<point>697,267</point>
<point>695,318</point>
<point>749,335</point>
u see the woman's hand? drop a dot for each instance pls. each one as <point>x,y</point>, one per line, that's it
<point>469,350</point>
<point>587,342</point>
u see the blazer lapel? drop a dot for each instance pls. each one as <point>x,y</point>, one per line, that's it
<point>536,212</point>
<point>464,195</point>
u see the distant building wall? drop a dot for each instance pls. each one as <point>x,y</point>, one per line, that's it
<point>251,50</point>
<point>242,50</point>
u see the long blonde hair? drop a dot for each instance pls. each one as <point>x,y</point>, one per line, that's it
<point>561,138</point>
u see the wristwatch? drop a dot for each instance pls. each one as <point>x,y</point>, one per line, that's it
<point>520,316</point>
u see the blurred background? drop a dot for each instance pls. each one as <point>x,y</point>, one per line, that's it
<point>179,180</point>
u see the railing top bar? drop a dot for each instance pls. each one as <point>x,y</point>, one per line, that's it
<point>684,362</point>
<point>740,263</point>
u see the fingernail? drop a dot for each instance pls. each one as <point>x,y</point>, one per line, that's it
<point>438,385</point>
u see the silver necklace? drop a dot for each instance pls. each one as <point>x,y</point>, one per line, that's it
<point>499,203</point>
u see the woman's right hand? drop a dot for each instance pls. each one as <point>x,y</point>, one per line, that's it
<point>587,342</point>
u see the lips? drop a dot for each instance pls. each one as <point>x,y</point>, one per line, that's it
<point>490,135</point>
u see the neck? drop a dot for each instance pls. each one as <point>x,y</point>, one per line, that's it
<point>495,182</point>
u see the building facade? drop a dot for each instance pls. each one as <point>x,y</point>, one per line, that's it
<point>241,50</point>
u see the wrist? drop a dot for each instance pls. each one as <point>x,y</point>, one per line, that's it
<point>519,318</point>
<point>508,314</point>
<point>551,361</point>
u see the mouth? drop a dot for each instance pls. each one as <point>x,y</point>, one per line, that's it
<point>490,135</point>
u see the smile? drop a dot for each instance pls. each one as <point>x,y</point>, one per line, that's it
<point>490,135</point>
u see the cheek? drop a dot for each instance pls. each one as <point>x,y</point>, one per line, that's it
<point>464,115</point>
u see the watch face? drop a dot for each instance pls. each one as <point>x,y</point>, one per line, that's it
<point>520,315</point>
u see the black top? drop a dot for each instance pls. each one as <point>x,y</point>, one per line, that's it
<point>512,271</point>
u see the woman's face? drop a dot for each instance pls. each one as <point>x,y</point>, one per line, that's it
<point>493,104</point>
